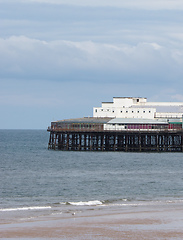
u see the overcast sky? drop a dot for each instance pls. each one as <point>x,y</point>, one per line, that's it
<point>61,58</point>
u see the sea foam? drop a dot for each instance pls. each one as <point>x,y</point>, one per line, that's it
<point>23,208</point>
<point>88,203</point>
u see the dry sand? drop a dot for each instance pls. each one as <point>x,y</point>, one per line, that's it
<point>150,222</point>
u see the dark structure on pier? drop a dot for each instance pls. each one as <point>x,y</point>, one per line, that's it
<point>89,134</point>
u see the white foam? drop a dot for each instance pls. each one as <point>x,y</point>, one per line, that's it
<point>23,208</point>
<point>89,203</point>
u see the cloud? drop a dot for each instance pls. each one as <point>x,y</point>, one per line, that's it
<point>22,57</point>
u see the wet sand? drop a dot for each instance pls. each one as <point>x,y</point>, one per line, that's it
<point>149,222</point>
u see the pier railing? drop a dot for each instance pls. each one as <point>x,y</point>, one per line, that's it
<point>110,130</point>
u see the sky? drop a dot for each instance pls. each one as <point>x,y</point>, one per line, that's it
<point>61,58</point>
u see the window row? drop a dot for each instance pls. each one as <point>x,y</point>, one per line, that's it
<point>80,126</point>
<point>142,126</point>
<point>127,111</point>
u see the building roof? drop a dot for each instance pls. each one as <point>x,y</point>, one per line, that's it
<point>136,121</point>
<point>108,102</point>
<point>85,120</point>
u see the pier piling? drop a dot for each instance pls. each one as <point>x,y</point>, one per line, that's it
<point>129,141</point>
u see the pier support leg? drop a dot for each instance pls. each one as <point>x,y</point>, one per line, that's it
<point>157,143</point>
<point>140,143</point>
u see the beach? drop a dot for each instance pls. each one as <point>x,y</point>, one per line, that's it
<point>133,222</point>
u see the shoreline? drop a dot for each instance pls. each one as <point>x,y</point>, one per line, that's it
<point>140,222</point>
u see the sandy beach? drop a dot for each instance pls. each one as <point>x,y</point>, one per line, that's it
<point>142,222</point>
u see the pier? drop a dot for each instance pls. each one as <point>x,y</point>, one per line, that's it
<point>127,124</point>
<point>127,141</point>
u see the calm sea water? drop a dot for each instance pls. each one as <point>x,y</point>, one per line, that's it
<point>35,180</point>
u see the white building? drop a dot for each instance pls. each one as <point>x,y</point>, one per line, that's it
<point>137,107</point>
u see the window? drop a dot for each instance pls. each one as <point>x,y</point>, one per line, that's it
<point>132,111</point>
<point>144,111</point>
<point>149,111</point>
<point>121,111</point>
<point>95,110</point>
<point>126,111</point>
<point>137,111</point>
<point>113,111</point>
<point>137,100</point>
<point>102,110</point>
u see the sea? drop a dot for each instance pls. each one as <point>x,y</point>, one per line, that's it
<point>35,181</point>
